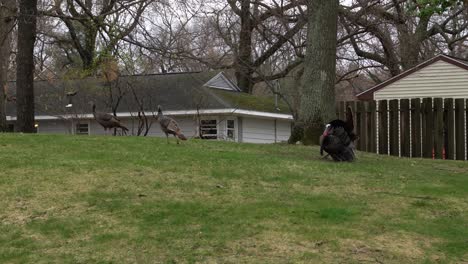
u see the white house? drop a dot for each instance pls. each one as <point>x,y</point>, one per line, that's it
<point>205,104</point>
<point>441,76</point>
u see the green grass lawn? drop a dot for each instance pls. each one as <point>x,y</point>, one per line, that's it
<point>67,199</point>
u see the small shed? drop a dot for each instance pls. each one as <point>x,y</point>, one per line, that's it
<point>441,76</point>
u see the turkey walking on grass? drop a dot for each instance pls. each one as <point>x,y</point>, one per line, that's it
<point>169,126</point>
<point>108,121</point>
<point>338,139</point>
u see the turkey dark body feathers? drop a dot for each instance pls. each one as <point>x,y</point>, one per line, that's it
<point>338,145</point>
<point>338,139</point>
<point>108,121</point>
<point>169,126</point>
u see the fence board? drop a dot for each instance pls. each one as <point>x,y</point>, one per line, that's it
<point>460,129</point>
<point>353,106</point>
<point>405,127</point>
<point>371,132</point>
<point>394,113</point>
<point>362,125</point>
<point>449,121</point>
<point>416,127</point>
<point>466,129</point>
<point>341,113</point>
<point>438,128</point>
<point>428,139</point>
<point>383,127</point>
<point>428,127</point>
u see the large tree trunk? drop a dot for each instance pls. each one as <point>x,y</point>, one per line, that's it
<point>25,66</point>
<point>7,21</point>
<point>244,68</point>
<point>411,43</point>
<point>318,82</point>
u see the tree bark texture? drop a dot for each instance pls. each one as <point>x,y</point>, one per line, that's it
<point>25,66</point>
<point>243,67</point>
<point>318,82</point>
<point>7,22</point>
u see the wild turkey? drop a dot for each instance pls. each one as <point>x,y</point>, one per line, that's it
<point>338,139</point>
<point>169,126</point>
<point>108,121</point>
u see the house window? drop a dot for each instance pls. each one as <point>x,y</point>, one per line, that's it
<point>82,129</point>
<point>231,130</point>
<point>209,129</point>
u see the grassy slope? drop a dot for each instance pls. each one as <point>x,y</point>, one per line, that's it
<point>127,199</point>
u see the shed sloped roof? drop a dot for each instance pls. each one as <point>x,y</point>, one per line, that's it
<point>174,92</point>
<point>369,94</point>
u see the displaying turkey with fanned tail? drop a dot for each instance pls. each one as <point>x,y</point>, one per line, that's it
<point>169,126</point>
<point>108,121</point>
<point>338,139</point>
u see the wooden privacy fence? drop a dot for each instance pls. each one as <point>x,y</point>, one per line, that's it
<point>420,127</point>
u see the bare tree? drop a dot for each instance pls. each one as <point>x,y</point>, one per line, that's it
<point>318,80</point>
<point>25,66</point>
<point>400,34</point>
<point>95,27</point>
<point>7,22</point>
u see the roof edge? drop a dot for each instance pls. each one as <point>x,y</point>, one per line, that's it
<point>234,111</point>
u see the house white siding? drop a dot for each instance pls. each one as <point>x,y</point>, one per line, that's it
<point>440,79</point>
<point>54,126</point>
<point>246,129</point>
<point>186,124</point>
<point>283,130</point>
<point>255,130</point>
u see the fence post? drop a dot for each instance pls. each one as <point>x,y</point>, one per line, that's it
<point>405,127</point>
<point>466,129</point>
<point>371,133</point>
<point>428,121</point>
<point>416,127</point>
<point>383,127</point>
<point>460,128</point>
<point>449,137</point>
<point>341,110</point>
<point>361,123</point>
<point>438,129</point>
<point>394,116</point>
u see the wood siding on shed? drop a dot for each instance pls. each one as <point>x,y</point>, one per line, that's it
<point>256,130</point>
<point>54,127</point>
<point>440,79</point>
<point>253,130</point>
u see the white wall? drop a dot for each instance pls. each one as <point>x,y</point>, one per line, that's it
<point>440,79</point>
<point>186,124</point>
<point>53,126</point>
<point>283,130</point>
<point>256,130</point>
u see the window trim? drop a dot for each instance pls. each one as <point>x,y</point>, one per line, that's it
<point>217,127</point>
<point>84,123</point>
<point>234,129</point>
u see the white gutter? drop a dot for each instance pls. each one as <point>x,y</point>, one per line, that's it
<point>224,111</point>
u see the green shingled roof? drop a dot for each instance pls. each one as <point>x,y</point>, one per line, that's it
<point>251,102</point>
<point>177,91</point>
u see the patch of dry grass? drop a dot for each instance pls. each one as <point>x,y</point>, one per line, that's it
<point>139,200</point>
